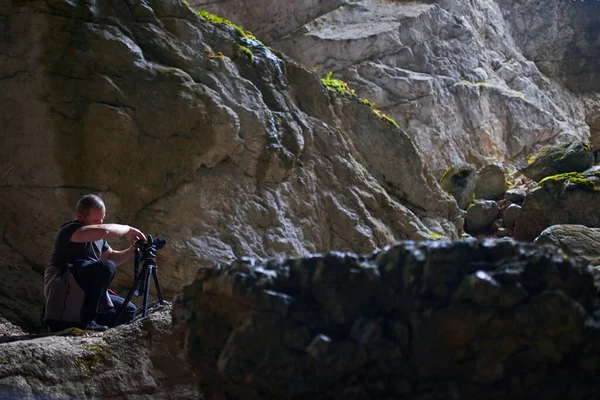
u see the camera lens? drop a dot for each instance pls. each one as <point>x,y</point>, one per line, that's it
<point>159,242</point>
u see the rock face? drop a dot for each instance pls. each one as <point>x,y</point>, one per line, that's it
<point>272,19</point>
<point>194,132</point>
<point>470,81</point>
<point>459,181</point>
<point>553,160</point>
<point>570,198</point>
<point>575,240</point>
<point>491,182</point>
<point>431,320</point>
<point>138,361</point>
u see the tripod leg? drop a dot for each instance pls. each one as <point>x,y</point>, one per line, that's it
<point>158,292</point>
<point>147,291</point>
<point>128,298</point>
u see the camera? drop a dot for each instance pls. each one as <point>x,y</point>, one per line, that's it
<point>147,248</point>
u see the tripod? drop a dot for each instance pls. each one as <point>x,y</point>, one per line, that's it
<point>141,282</point>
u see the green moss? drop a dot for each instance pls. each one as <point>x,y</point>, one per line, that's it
<point>248,52</point>
<point>3,360</point>
<point>215,19</point>
<point>462,172</point>
<point>385,118</point>
<point>575,178</point>
<point>219,56</point>
<point>94,355</point>
<point>521,95</point>
<point>480,84</point>
<point>72,332</point>
<point>340,87</point>
<point>446,173</point>
<point>435,236</point>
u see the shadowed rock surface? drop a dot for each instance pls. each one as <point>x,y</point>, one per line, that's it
<point>185,136</point>
<point>574,240</point>
<point>430,320</point>
<point>570,198</point>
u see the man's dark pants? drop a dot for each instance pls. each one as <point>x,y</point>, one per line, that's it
<point>94,279</point>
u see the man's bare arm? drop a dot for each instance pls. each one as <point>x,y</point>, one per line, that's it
<point>118,257</point>
<point>91,233</point>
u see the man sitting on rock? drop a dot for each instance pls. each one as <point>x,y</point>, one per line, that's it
<point>82,266</point>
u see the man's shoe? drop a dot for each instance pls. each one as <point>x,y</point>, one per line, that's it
<point>94,326</point>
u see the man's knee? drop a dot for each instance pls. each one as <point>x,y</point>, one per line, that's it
<point>130,309</point>
<point>108,267</point>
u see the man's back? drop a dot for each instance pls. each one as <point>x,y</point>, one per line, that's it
<point>65,251</point>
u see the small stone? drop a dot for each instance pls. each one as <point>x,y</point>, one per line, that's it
<point>511,215</point>
<point>516,195</point>
<point>480,215</point>
<point>502,232</point>
<point>491,182</point>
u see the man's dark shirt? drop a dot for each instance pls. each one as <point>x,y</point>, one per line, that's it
<point>65,251</point>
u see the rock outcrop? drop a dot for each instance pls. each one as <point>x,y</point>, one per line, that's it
<point>559,159</point>
<point>470,81</point>
<point>192,131</point>
<point>431,320</point>
<point>138,361</point>
<point>570,198</point>
<point>574,240</point>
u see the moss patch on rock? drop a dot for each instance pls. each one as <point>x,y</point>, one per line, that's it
<point>575,178</point>
<point>340,87</point>
<point>94,355</point>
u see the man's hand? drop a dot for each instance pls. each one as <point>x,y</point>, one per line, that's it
<point>133,235</point>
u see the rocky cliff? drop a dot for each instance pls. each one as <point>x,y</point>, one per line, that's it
<point>194,131</point>
<point>470,81</point>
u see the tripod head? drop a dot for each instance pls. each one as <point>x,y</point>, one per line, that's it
<point>146,249</point>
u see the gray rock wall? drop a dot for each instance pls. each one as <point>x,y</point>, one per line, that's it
<point>472,82</point>
<point>186,136</point>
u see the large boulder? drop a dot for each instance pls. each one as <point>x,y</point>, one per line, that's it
<point>459,181</point>
<point>491,182</point>
<point>570,198</point>
<point>552,160</point>
<point>137,361</point>
<point>575,240</point>
<point>497,319</point>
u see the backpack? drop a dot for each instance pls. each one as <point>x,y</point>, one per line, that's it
<point>64,297</point>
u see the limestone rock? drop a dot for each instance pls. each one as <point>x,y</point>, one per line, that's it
<point>270,19</point>
<point>193,132</point>
<point>516,195</point>
<point>487,315</point>
<point>9,329</point>
<point>570,198</point>
<point>559,159</point>
<point>459,181</point>
<point>511,215</point>
<point>480,215</point>
<point>140,360</point>
<point>575,240</point>
<point>491,182</point>
<point>469,81</point>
